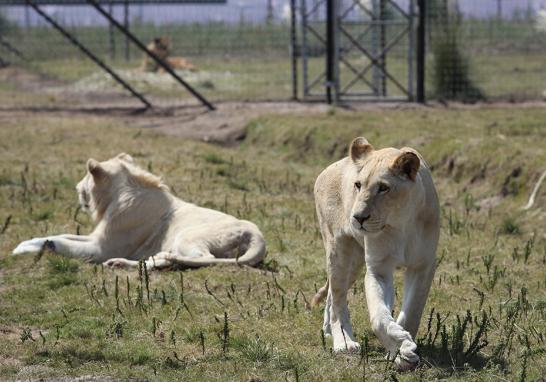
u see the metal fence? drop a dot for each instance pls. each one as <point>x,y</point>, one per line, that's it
<point>225,52</point>
<point>370,45</point>
<point>487,49</point>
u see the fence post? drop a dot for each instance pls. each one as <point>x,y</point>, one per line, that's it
<point>382,44</point>
<point>112,41</point>
<point>330,50</point>
<point>126,26</point>
<point>421,41</point>
<point>293,49</point>
<point>303,50</point>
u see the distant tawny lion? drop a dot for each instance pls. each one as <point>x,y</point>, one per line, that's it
<point>161,47</point>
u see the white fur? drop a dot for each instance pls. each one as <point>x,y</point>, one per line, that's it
<point>401,229</point>
<point>138,218</point>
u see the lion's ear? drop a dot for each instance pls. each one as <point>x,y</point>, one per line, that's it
<point>359,149</point>
<point>95,169</point>
<point>406,164</point>
<point>126,157</point>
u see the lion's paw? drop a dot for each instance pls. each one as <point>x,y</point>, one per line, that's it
<point>347,346</point>
<point>117,263</point>
<point>407,358</point>
<point>30,246</point>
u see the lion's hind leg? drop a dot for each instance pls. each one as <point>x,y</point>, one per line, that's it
<point>240,243</point>
<point>323,292</point>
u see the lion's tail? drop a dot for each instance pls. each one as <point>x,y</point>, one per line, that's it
<point>252,240</point>
<point>320,295</point>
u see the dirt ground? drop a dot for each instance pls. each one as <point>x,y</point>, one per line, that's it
<point>225,126</point>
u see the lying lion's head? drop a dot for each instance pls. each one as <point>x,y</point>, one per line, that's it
<point>105,181</point>
<point>382,186</point>
<point>161,46</point>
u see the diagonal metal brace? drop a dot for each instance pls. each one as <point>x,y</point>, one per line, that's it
<point>142,47</point>
<point>341,59</point>
<point>87,52</point>
<point>11,48</point>
<point>374,59</point>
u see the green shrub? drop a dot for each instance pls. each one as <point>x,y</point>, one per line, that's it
<point>451,69</point>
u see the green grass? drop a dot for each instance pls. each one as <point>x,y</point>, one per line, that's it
<point>485,317</point>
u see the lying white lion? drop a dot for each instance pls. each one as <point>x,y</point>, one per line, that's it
<point>138,218</point>
<point>378,208</point>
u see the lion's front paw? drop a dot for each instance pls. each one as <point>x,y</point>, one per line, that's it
<point>347,346</point>
<point>30,246</point>
<point>117,263</point>
<point>407,358</point>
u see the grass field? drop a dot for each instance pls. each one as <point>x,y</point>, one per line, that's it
<point>485,319</point>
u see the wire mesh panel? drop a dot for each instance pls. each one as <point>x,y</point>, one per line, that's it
<point>487,49</point>
<point>313,47</point>
<point>224,51</point>
<point>376,49</point>
<point>373,44</point>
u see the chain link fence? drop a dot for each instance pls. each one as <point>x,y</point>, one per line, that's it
<point>225,52</point>
<point>487,49</point>
<point>476,50</point>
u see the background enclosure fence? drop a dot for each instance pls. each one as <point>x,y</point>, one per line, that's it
<point>487,49</point>
<point>230,52</point>
<point>237,51</point>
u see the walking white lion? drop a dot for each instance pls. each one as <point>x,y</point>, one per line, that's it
<point>137,218</point>
<point>378,208</point>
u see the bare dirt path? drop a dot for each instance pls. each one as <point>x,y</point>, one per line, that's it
<point>226,125</point>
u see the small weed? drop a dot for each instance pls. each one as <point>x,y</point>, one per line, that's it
<point>237,184</point>
<point>26,335</point>
<point>510,227</point>
<point>59,264</point>
<point>455,224</point>
<point>256,350</point>
<point>214,158</point>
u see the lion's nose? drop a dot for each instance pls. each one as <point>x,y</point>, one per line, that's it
<point>361,218</point>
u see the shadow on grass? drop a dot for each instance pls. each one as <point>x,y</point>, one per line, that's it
<point>449,363</point>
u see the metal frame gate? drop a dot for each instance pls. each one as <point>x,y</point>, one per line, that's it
<point>345,45</point>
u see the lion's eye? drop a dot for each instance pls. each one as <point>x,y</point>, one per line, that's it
<point>383,188</point>
<point>358,185</point>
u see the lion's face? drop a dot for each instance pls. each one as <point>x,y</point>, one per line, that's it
<point>381,186</point>
<point>98,186</point>
<point>161,46</point>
